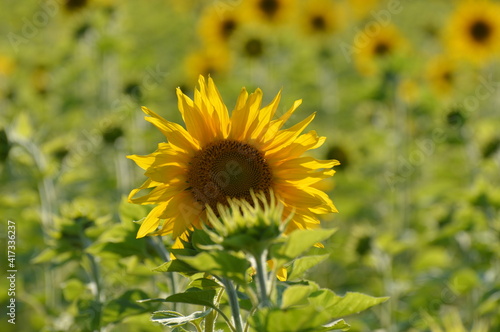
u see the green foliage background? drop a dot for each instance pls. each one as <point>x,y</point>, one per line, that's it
<point>418,188</point>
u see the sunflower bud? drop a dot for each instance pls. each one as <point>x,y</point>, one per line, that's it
<point>247,227</point>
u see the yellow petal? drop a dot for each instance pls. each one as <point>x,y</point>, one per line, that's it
<point>177,136</point>
<point>162,193</point>
<point>264,117</point>
<point>151,222</point>
<point>303,143</point>
<point>299,177</point>
<point>309,162</point>
<point>220,108</point>
<point>242,118</point>
<point>276,125</point>
<point>306,198</point>
<point>198,123</point>
<point>288,136</point>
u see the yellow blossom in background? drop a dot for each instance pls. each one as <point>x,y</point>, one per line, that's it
<point>361,8</point>
<point>210,61</point>
<point>251,43</point>
<point>409,90</point>
<point>217,27</point>
<point>321,17</point>
<point>7,65</point>
<point>269,11</point>
<point>441,73</point>
<point>219,156</point>
<point>372,50</point>
<point>473,31</point>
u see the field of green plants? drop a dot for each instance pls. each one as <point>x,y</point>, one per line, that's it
<point>407,94</point>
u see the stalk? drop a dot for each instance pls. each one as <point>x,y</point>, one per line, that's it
<point>260,267</point>
<point>233,303</point>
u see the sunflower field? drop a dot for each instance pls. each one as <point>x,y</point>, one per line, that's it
<point>116,116</point>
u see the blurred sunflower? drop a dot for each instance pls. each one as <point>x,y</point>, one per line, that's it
<point>408,90</point>
<point>372,53</point>
<point>220,156</point>
<point>473,32</point>
<point>320,17</point>
<point>216,29</point>
<point>211,61</point>
<point>7,65</point>
<point>361,8</point>
<point>72,5</point>
<point>441,73</point>
<point>272,11</point>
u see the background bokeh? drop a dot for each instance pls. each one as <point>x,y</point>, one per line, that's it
<point>407,93</point>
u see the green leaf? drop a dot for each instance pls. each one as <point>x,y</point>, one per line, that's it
<point>130,212</point>
<point>340,306</point>
<point>126,305</point>
<point>221,263</point>
<point>296,295</point>
<point>298,242</point>
<point>336,325</point>
<point>175,266</point>
<point>194,296</point>
<point>204,283</point>
<point>45,256</point>
<point>73,289</point>
<point>302,264</point>
<point>87,317</point>
<point>175,319</point>
<point>303,319</point>
<point>200,239</point>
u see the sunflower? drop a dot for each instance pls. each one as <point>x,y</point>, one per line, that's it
<point>473,32</point>
<point>361,8</point>
<point>441,73</point>
<point>373,51</point>
<point>219,157</point>
<point>210,61</point>
<point>271,11</point>
<point>217,29</point>
<point>7,65</point>
<point>321,17</point>
<point>72,5</point>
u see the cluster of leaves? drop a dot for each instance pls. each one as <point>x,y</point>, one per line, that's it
<point>293,305</point>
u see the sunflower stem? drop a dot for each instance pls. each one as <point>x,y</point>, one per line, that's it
<point>233,303</point>
<point>163,253</point>
<point>212,317</point>
<point>260,268</point>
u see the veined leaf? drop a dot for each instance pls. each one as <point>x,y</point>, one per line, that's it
<point>221,263</point>
<point>175,319</point>
<point>341,306</point>
<point>302,264</point>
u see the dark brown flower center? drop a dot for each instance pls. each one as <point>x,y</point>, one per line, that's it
<point>269,7</point>
<point>480,31</point>
<point>447,76</point>
<point>227,168</point>
<point>318,22</point>
<point>227,28</point>
<point>381,48</point>
<point>75,4</point>
<point>254,48</point>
